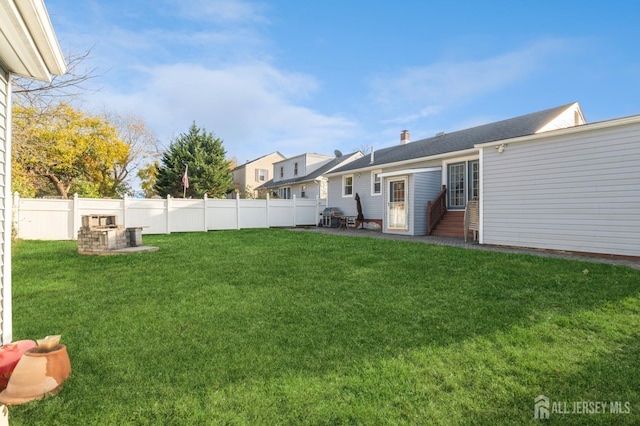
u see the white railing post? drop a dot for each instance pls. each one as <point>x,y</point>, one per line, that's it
<point>268,200</point>
<point>167,210</point>
<point>76,216</point>
<point>317,209</point>
<point>294,210</point>
<point>237,211</point>
<point>124,210</point>
<point>204,209</point>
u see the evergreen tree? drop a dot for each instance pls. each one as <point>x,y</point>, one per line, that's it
<point>208,170</point>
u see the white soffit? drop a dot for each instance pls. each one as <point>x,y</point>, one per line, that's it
<point>28,45</point>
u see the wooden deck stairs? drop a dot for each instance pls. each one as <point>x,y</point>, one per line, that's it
<point>451,225</point>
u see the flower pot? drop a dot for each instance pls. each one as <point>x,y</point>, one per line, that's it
<point>10,354</point>
<point>37,375</point>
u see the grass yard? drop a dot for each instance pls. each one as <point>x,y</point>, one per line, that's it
<point>280,327</point>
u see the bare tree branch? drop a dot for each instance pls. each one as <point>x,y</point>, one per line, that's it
<point>30,92</point>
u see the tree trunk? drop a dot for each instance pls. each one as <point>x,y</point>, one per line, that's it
<point>63,190</point>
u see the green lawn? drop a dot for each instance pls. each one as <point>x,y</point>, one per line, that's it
<point>280,327</point>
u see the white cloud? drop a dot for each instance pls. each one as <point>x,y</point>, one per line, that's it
<point>220,11</point>
<point>423,113</point>
<point>254,108</point>
<point>431,88</point>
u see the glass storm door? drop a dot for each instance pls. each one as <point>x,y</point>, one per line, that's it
<point>457,173</point>
<point>397,206</point>
<point>474,180</point>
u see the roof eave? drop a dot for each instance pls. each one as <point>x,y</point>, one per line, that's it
<point>634,119</point>
<point>31,48</point>
<point>463,152</point>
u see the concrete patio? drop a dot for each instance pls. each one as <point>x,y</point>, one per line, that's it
<point>472,245</point>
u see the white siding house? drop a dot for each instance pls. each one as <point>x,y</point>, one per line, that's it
<point>28,47</point>
<point>396,183</point>
<point>303,176</point>
<point>575,189</point>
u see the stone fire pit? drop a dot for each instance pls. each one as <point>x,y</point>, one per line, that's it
<point>100,234</point>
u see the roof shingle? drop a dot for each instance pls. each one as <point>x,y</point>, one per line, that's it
<point>459,140</point>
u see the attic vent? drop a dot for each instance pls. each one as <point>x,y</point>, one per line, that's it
<point>439,134</point>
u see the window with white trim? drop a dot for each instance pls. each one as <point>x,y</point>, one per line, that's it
<point>281,171</point>
<point>303,191</point>
<point>376,182</point>
<point>347,186</point>
<point>262,175</point>
<point>295,169</point>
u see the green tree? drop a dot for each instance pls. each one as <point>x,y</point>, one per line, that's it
<point>209,172</point>
<point>60,150</point>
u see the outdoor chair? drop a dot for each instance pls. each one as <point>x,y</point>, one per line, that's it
<point>472,219</point>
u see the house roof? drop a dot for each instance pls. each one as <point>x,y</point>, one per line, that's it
<point>29,46</point>
<point>459,140</point>
<point>313,175</point>
<point>258,159</point>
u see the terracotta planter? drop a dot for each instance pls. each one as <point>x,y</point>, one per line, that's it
<point>10,354</point>
<point>37,375</point>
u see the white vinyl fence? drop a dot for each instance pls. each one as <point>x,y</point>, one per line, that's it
<point>47,219</point>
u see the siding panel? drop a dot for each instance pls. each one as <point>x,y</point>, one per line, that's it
<point>427,187</point>
<point>572,192</point>
<point>371,205</point>
<point>5,261</point>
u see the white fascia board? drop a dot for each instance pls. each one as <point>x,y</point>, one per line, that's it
<point>30,41</point>
<point>410,171</point>
<point>35,15</point>
<point>634,119</point>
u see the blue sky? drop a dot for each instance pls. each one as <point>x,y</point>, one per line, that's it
<point>315,76</point>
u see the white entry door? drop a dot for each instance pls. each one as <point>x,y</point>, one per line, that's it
<point>397,210</point>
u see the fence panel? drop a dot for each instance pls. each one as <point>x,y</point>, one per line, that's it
<point>60,219</point>
<point>186,215</point>
<point>222,214</point>
<point>308,211</point>
<point>41,219</point>
<point>253,213</point>
<point>150,214</point>
<point>281,213</point>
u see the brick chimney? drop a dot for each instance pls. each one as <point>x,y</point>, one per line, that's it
<point>404,137</point>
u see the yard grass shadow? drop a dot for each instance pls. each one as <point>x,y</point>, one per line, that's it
<point>217,312</point>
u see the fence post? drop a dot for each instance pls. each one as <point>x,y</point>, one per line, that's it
<point>76,216</point>
<point>16,213</point>
<point>317,209</point>
<point>124,210</point>
<point>237,210</point>
<point>268,218</point>
<point>294,210</point>
<point>167,210</point>
<point>204,209</point>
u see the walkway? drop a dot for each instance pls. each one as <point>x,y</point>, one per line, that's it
<point>459,242</point>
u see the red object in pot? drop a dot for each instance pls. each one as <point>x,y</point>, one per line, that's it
<point>10,354</point>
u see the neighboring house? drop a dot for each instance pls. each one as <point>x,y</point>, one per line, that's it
<point>28,48</point>
<point>395,183</point>
<point>303,175</point>
<point>249,176</point>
